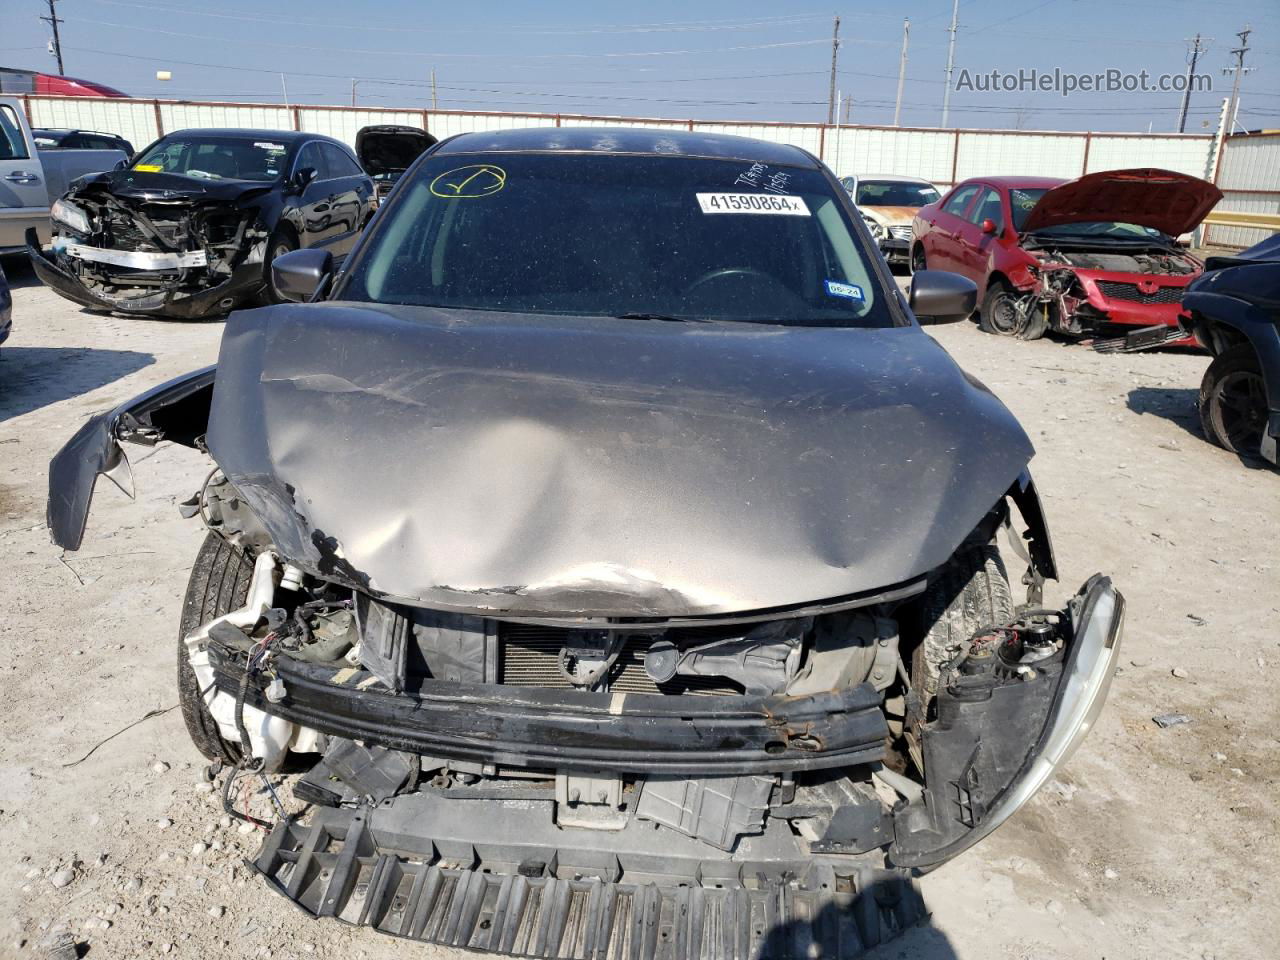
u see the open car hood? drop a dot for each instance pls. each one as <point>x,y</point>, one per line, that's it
<point>1173,203</point>
<point>389,149</point>
<point>573,466</point>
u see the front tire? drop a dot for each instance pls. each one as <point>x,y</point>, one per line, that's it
<point>282,241</point>
<point>1002,317</point>
<point>1233,401</point>
<point>970,593</point>
<point>219,584</point>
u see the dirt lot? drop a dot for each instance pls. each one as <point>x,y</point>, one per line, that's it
<point>1154,843</point>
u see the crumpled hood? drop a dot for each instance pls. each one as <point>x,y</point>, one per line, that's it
<point>889,216</point>
<point>141,185</point>
<point>571,466</point>
<point>1173,203</point>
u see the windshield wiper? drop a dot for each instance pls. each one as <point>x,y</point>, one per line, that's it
<point>659,316</point>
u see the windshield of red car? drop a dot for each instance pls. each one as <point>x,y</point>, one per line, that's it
<point>1023,200</point>
<point>667,237</point>
<point>890,193</point>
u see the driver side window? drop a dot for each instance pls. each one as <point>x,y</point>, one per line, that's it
<point>988,208</point>
<point>310,156</point>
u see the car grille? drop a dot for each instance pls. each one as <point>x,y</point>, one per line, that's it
<point>528,656</point>
<point>902,232</point>
<point>1115,290</point>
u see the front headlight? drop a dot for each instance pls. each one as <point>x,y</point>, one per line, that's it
<point>70,215</point>
<point>877,231</point>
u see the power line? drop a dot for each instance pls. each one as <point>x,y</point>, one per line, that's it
<point>468,56</point>
<point>669,26</point>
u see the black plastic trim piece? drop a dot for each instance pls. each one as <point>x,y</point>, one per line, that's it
<point>559,729</point>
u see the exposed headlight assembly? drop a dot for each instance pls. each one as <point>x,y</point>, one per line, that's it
<point>69,215</point>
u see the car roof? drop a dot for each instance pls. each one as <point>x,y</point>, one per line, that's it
<point>893,177</point>
<point>67,131</point>
<point>1016,182</point>
<point>629,140</point>
<point>240,133</point>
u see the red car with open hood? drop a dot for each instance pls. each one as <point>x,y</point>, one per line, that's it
<point>1091,257</point>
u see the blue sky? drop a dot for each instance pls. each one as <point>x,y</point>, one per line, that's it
<point>712,60</point>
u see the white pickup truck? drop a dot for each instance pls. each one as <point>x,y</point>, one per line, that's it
<point>31,179</point>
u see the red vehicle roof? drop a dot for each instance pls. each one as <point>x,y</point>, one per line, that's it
<point>1017,182</point>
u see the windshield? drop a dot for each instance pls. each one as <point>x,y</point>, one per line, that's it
<point>1023,200</point>
<point>216,158</point>
<point>889,193</point>
<point>610,235</point>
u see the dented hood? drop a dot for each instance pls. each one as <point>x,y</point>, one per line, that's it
<point>144,185</point>
<point>1173,203</point>
<point>569,466</point>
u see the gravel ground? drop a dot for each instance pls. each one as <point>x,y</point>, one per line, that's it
<point>1153,843</point>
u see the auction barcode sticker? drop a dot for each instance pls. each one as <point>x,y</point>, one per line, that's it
<point>752,203</point>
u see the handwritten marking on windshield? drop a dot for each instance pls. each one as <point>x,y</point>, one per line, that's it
<point>474,180</point>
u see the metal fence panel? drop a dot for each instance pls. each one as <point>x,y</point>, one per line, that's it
<point>343,124</point>
<point>447,124</point>
<point>181,116</point>
<point>1184,154</point>
<point>989,154</point>
<point>135,120</point>
<point>912,153</point>
<point>936,155</point>
<point>1251,163</point>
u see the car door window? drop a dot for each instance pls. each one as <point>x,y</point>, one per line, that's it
<point>310,156</point>
<point>988,208</point>
<point>13,145</point>
<point>958,200</point>
<point>338,162</point>
<point>93,142</point>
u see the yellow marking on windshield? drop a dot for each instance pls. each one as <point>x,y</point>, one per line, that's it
<point>150,168</point>
<point>474,180</point>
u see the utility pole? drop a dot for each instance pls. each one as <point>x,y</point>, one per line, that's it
<point>902,71</point>
<point>1238,69</point>
<point>53,20</point>
<point>951,59</point>
<point>831,93</point>
<point>353,91</point>
<point>433,88</point>
<point>1191,72</point>
<point>848,105</point>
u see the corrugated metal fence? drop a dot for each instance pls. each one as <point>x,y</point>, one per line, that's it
<point>1249,178</point>
<point>1249,171</point>
<point>942,156</point>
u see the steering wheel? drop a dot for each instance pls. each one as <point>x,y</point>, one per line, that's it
<point>728,272</point>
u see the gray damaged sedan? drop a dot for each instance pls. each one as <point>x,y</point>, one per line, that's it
<point>618,561</point>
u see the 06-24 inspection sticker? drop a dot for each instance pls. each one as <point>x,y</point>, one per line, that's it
<point>752,203</point>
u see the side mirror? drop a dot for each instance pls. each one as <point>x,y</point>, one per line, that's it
<point>303,177</point>
<point>941,297</point>
<point>297,275</point>
<point>988,226</point>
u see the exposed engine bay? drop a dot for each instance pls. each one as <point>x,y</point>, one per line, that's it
<point>181,255</point>
<point>463,763</point>
<point>1081,292</point>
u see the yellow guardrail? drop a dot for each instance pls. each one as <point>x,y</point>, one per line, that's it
<point>1229,218</point>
